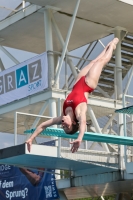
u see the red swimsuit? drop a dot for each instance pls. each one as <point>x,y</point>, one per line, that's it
<point>77,95</point>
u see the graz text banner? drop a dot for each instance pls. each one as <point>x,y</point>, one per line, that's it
<point>24,79</point>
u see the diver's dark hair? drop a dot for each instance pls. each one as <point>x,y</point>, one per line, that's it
<point>75,128</point>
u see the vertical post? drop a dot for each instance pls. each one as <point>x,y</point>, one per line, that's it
<point>118,34</point>
<point>49,45</point>
<point>52,109</point>
<point>15,128</point>
<point>59,138</point>
<point>86,142</point>
<point>125,131</point>
<point>115,85</point>
<point>56,63</point>
<point>23,5</point>
<point>53,113</point>
<point>132,135</point>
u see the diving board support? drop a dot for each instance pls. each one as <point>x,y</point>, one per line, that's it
<point>125,132</point>
<point>53,113</point>
<point>49,44</point>
<point>42,155</point>
<point>119,32</point>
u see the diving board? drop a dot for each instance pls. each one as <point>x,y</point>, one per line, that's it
<point>126,110</point>
<point>90,136</point>
<point>44,157</point>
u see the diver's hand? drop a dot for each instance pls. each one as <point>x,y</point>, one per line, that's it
<point>75,145</point>
<point>29,144</point>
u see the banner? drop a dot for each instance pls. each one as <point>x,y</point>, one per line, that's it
<point>21,183</point>
<point>24,79</point>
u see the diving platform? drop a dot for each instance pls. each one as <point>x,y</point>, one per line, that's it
<point>126,110</point>
<point>90,136</point>
<point>46,157</point>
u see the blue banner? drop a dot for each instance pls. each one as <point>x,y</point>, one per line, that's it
<point>20,183</point>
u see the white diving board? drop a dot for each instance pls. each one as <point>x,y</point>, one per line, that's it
<point>45,157</point>
<point>90,136</point>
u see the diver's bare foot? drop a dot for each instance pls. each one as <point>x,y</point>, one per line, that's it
<point>115,42</point>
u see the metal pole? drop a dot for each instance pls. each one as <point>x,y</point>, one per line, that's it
<point>49,45</point>
<point>28,114</point>
<point>9,55</point>
<point>15,128</point>
<point>101,43</point>
<point>119,92</point>
<point>96,125</point>
<point>66,76</point>
<point>103,92</point>
<point>1,65</point>
<point>52,112</point>
<point>86,142</point>
<point>23,5</point>
<point>62,44</point>
<point>132,135</point>
<point>56,62</point>
<point>59,138</point>
<point>125,130</point>
<point>67,40</point>
<point>108,123</point>
<point>52,109</point>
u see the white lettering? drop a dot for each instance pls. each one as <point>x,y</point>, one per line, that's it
<point>9,78</point>
<point>6,184</point>
<point>22,77</point>
<point>34,85</point>
<point>69,101</point>
<point>20,193</point>
<point>34,75</point>
<point>4,167</point>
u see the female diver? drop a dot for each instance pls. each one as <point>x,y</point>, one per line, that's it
<point>73,117</point>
